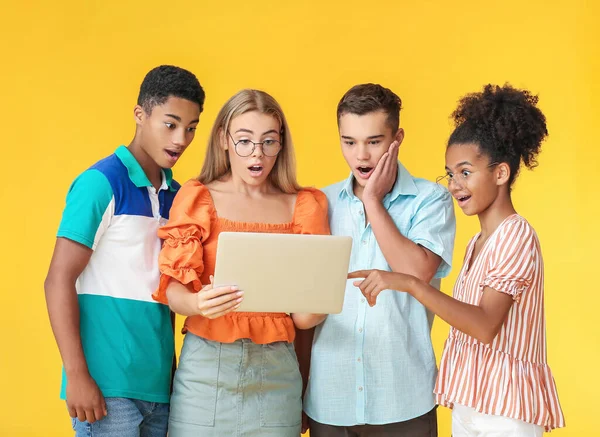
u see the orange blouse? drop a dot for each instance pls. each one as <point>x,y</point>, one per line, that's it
<point>190,249</point>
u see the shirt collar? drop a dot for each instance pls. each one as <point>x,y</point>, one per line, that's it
<point>136,172</point>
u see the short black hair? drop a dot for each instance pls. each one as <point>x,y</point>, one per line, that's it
<point>369,97</point>
<point>504,122</point>
<point>165,81</point>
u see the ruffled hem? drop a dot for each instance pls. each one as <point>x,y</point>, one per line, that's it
<point>517,389</point>
<point>261,328</point>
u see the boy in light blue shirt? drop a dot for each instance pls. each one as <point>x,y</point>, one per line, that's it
<point>373,368</point>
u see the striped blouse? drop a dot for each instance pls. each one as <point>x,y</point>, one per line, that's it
<point>509,377</point>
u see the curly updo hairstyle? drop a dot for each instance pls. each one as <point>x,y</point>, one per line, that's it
<point>504,122</point>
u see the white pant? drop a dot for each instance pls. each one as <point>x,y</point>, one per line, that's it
<point>466,422</point>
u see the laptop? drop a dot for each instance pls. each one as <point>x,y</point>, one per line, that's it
<point>287,273</point>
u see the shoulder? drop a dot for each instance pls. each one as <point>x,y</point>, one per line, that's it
<point>112,168</point>
<point>516,228</point>
<point>193,198</point>
<point>193,189</point>
<point>333,191</point>
<point>175,186</point>
<point>428,191</point>
<point>310,215</point>
<point>312,198</point>
<point>192,212</point>
<point>91,188</point>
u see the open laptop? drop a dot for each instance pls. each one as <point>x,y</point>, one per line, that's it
<point>286,273</point>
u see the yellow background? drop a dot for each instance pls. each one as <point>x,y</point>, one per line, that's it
<point>70,74</point>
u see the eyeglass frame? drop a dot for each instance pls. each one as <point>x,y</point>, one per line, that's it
<point>254,144</point>
<point>448,179</point>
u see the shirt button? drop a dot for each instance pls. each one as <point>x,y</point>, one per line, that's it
<point>359,360</point>
<point>360,213</point>
<point>362,300</point>
<point>360,389</point>
<point>359,329</point>
<point>364,242</point>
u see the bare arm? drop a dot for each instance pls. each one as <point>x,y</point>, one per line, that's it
<point>84,399</point>
<point>307,321</point>
<point>303,346</point>
<point>209,302</point>
<point>482,321</point>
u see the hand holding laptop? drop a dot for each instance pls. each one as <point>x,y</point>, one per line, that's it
<point>216,302</point>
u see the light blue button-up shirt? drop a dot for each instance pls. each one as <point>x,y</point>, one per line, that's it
<point>376,365</point>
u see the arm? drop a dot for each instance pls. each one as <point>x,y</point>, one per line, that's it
<point>318,224</point>
<point>86,216</point>
<point>84,399</point>
<point>400,253</point>
<point>209,302</point>
<point>303,346</point>
<point>482,322</point>
<point>174,366</point>
<point>514,262</point>
<point>307,321</point>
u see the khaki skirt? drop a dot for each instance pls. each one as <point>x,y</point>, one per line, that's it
<point>236,389</point>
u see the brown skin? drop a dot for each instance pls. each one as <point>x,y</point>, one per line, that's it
<point>84,399</point>
<point>303,346</point>
<point>485,191</point>
<point>170,126</point>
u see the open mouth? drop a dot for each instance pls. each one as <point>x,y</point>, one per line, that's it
<point>365,171</point>
<point>256,170</point>
<point>173,155</point>
<point>462,199</point>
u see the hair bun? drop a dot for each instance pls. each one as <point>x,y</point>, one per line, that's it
<point>506,121</point>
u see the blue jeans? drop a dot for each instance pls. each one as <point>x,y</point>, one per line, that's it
<point>127,418</point>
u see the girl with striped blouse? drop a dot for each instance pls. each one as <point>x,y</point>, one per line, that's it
<point>494,371</point>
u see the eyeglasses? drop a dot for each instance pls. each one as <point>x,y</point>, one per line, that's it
<point>246,147</point>
<point>461,178</point>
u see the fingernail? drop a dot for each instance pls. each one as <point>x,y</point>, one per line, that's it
<point>235,288</point>
<point>240,299</point>
<point>240,293</point>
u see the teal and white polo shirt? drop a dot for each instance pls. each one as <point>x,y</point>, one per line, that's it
<point>127,337</point>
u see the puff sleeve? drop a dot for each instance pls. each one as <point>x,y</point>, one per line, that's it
<point>311,213</point>
<point>182,254</point>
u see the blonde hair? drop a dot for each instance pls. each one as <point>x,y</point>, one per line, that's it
<point>216,162</point>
